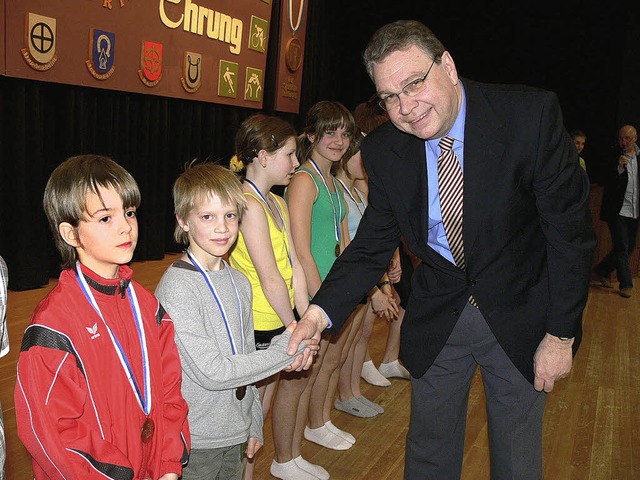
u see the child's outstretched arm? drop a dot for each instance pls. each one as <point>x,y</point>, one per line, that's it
<point>203,360</point>
<point>56,418</point>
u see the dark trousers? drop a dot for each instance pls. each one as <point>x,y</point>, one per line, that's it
<point>435,442</point>
<point>623,236</point>
<point>224,463</point>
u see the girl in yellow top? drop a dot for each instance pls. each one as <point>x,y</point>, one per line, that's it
<point>266,148</point>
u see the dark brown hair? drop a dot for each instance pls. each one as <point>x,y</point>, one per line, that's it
<point>261,132</point>
<point>399,36</point>
<point>65,196</point>
<point>322,117</point>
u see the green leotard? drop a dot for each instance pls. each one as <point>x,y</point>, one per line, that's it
<point>323,233</point>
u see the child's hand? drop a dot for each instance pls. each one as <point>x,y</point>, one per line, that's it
<point>394,270</point>
<point>384,306</point>
<point>253,445</point>
<point>169,476</point>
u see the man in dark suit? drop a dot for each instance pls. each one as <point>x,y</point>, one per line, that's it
<point>508,296</point>
<point>620,209</point>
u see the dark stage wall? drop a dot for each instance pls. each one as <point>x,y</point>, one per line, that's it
<point>588,54</point>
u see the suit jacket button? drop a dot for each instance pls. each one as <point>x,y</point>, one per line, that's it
<point>456,312</point>
<point>471,283</point>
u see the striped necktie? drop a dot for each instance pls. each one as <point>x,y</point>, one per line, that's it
<point>451,190</point>
<point>450,187</point>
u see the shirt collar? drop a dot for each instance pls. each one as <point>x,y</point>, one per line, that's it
<point>457,130</point>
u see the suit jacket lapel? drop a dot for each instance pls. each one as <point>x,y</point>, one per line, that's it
<point>483,150</point>
<point>411,182</point>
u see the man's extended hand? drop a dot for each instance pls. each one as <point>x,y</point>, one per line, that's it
<point>551,362</point>
<point>311,347</point>
<point>308,329</point>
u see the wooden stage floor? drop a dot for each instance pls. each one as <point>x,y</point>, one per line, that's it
<point>591,425</point>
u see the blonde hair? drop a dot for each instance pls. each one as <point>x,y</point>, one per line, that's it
<point>65,196</point>
<point>199,182</point>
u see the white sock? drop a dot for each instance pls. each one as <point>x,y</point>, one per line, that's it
<point>371,374</point>
<point>394,369</point>
<point>290,471</point>
<point>312,468</point>
<point>326,438</point>
<point>346,435</point>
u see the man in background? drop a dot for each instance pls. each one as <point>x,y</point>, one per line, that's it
<point>620,210</point>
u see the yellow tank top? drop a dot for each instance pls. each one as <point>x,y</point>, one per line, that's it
<point>264,317</point>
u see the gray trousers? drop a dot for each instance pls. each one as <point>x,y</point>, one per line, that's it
<point>435,442</point>
<point>215,464</point>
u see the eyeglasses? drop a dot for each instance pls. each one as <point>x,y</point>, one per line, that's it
<point>392,100</point>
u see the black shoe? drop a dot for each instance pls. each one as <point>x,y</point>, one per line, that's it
<point>625,292</point>
<point>604,281</point>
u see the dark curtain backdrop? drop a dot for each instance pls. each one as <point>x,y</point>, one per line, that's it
<point>152,137</point>
<point>588,53</point>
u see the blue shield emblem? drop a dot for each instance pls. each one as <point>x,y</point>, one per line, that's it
<point>102,50</point>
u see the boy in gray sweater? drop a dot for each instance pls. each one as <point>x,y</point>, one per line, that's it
<point>210,304</point>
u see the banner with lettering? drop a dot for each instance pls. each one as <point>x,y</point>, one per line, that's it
<point>293,26</point>
<point>205,50</point>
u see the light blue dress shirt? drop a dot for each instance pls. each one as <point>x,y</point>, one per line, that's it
<point>437,238</point>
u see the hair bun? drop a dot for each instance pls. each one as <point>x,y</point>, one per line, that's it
<point>235,164</point>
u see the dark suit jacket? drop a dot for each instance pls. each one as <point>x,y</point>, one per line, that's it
<point>615,188</point>
<point>527,232</point>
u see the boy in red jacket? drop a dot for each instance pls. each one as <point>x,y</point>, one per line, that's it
<point>99,377</point>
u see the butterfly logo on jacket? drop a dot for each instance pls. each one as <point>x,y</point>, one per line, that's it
<point>93,331</point>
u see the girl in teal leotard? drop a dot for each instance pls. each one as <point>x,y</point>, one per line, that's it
<point>319,230</point>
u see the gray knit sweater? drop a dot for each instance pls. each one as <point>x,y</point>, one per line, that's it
<point>211,373</point>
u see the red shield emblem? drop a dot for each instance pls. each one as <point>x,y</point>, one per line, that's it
<point>150,63</point>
